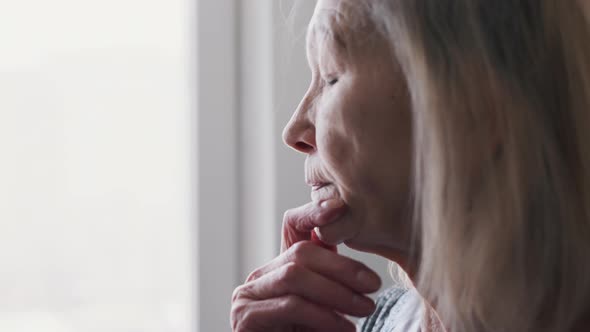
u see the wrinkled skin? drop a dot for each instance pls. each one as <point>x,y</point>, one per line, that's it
<point>354,125</point>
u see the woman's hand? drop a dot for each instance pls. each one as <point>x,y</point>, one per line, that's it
<point>306,288</point>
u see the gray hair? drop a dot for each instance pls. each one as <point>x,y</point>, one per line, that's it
<point>501,105</point>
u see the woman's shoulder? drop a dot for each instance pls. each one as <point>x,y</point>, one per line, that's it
<point>391,311</point>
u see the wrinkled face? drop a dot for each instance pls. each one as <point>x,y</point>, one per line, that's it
<point>354,125</point>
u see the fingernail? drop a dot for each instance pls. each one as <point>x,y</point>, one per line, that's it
<point>332,204</point>
<point>364,303</point>
<point>369,280</point>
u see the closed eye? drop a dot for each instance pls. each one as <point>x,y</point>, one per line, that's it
<point>332,81</point>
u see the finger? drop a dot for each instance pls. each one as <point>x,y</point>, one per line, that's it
<point>348,272</point>
<point>286,311</point>
<point>299,222</point>
<point>295,279</point>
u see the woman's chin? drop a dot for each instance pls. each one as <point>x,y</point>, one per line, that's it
<point>357,245</point>
<point>338,231</point>
<point>362,244</point>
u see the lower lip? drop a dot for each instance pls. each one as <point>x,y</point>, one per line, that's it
<point>324,192</point>
<point>319,186</point>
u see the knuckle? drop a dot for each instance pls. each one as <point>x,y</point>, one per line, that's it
<point>288,215</point>
<point>291,270</point>
<point>242,292</point>
<point>237,293</point>
<point>237,314</point>
<point>356,266</point>
<point>284,303</point>
<point>243,316</point>
<point>295,219</point>
<point>254,275</point>
<point>288,221</point>
<point>289,303</point>
<point>299,250</point>
<point>288,274</point>
<point>244,322</point>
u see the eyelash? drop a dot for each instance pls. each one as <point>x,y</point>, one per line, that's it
<point>332,81</point>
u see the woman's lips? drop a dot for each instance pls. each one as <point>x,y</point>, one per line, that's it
<point>318,186</point>
<point>324,192</point>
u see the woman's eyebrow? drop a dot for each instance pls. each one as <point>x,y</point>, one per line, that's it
<point>331,33</point>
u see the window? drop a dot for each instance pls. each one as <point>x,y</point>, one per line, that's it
<point>96,142</point>
<point>100,185</point>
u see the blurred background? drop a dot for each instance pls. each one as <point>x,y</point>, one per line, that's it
<point>142,172</point>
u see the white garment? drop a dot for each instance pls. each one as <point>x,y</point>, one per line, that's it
<point>398,310</point>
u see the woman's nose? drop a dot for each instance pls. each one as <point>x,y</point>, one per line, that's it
<point>299,134</point>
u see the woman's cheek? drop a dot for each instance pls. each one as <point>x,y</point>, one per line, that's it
<point>335,139</point>
<point>336,160</point>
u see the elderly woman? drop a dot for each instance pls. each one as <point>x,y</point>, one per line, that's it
<point>451,137</point>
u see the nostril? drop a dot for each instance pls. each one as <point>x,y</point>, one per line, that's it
<point>303,147</point>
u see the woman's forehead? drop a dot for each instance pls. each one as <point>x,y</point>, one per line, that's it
<point>320,32</point>
<point>343,24</point>
<point>323,23</point>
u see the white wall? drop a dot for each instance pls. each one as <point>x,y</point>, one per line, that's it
<point>96,204</point>
<point>98,141</point>
<point>217,173</point>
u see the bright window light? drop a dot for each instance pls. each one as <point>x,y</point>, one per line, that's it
<point>96,170</point>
